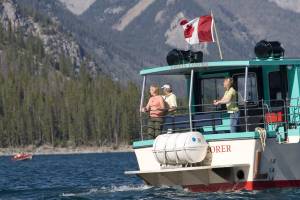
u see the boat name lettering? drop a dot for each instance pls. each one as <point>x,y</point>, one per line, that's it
<point>220,148</point>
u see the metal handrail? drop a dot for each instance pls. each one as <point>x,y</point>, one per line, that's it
<point>289,113</point>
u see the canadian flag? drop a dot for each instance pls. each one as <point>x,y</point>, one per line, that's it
<point>198,30</point>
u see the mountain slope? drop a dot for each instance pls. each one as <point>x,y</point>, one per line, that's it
<point>56,42</point>
<point>126,35</point>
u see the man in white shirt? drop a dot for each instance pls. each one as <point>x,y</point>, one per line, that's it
<point>169,97</point>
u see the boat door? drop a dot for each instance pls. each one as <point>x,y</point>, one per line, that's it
<point>277,90</point>
<point>253,106</point>
<point>276,93</point>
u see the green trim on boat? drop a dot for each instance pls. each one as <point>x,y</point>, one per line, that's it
<point>212,137</point>
<point>215,66</point>
<point>179,69</point>
<point>235,136</point>
<point>142,144</point>
<point>294,132</point>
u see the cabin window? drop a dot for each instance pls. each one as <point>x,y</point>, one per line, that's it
<point>211,89</point>
<point>252,94</point>
<point>275,88</point>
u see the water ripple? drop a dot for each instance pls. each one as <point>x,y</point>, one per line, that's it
<point>99,176</point>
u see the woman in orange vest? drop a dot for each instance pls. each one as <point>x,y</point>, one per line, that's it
<point>156,109</point>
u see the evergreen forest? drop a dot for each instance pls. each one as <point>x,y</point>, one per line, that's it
<point>43,104</point>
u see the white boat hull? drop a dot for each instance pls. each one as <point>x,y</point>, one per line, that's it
<point>231,165</point>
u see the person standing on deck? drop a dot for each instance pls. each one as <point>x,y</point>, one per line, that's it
<point>170,98</point>
<point>156,109</point>
<point>229,99</point>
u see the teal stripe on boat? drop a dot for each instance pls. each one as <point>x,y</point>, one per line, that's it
<point>235,136</point>
<point>294,132</point>
<point>183,68</point>
<point>143,144</point>
<point>212,137</point>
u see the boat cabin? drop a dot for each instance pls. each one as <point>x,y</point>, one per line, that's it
<point>268,97</point>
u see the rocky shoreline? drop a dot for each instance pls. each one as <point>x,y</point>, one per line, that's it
<point>48,150</point>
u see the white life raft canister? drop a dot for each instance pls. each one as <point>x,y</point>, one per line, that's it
<point>180,148</point>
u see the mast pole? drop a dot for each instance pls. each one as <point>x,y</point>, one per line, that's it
<point>141,106</point>
<point>217,37</point>
<point>246,97</point>
<point>190,99</point>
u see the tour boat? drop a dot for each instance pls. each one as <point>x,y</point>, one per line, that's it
<point>22,156</point>
<point>196,149</point>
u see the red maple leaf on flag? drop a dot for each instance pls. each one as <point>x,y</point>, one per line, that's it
<point>188,31</point>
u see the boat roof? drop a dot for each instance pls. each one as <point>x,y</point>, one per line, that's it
<point>216,66</point>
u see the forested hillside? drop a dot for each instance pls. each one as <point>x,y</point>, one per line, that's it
<point>41,104</point>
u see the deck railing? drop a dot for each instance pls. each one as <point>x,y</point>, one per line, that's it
<point>271,115</point>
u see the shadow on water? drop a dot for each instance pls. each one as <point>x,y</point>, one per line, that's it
<point>98,176</point>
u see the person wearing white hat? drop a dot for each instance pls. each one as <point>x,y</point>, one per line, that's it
<point>169,98</point>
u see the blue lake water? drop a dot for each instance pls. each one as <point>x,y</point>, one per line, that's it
<point>98,176</point>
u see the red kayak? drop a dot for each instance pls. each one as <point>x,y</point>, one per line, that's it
<point>22,156</point>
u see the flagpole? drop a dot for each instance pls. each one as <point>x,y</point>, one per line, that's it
<point>217,37</point>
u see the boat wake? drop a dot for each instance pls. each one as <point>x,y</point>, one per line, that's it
<point>125,188</point>
<point>109,189</point>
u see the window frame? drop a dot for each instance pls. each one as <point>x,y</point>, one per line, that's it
<point>215,89</point>
<point>251,103</point>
